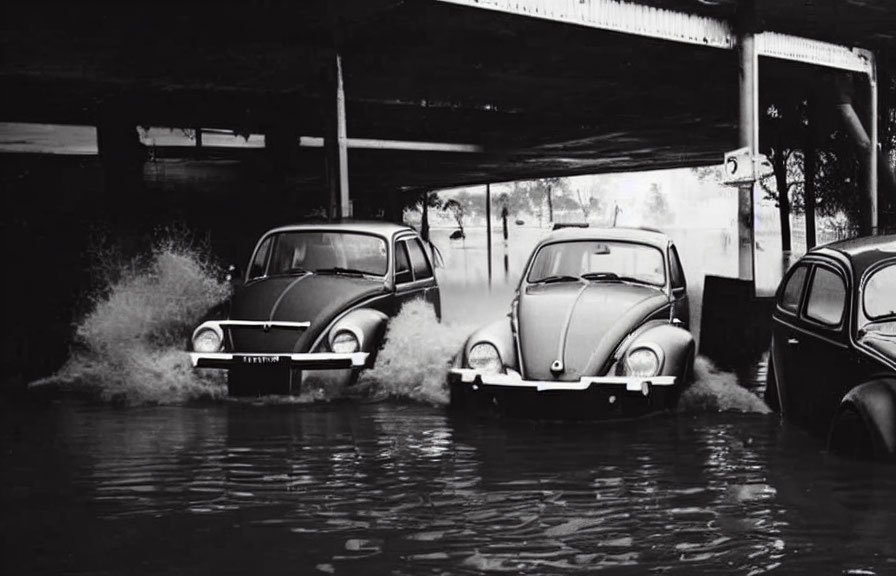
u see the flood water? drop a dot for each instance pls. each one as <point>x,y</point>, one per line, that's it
<point>160,474</point>
<point>402,488</point>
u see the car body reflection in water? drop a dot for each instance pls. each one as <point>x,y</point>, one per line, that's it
<point>408,489</point>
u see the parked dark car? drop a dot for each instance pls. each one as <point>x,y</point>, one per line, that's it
<point>832,366</point>
<point>315,297</point>
<point>597,329</point>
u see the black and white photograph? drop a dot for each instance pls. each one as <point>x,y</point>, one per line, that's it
<point>448,287</point>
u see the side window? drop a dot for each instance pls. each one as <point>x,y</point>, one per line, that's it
<point>827,297</point>
<point>675,271</point>
<point>402,264</point>
<point>261,258</point>
<point>419,262</point>
<point>790,296</point>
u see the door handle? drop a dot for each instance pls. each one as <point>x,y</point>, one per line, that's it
<point>792,341</point>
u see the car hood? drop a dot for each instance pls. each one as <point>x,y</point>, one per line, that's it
<point>579,324</point>
<point>313,298</point>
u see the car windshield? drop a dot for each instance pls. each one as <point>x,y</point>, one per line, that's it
<point>336,252</point>
<point>598,260</point>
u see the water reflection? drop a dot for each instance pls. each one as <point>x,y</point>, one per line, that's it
<point>405,489</point>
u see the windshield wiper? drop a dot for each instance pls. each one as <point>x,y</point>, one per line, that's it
<point>613,277</point>
<point>296,270</point>
<point>342,271</point>
<point>558,278</point>
<point>637,281</point>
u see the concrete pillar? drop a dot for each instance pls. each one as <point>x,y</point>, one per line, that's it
<point>336,142</point>
<point>748,138</point>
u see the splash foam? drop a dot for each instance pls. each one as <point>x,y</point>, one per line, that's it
<point>714,390</point>
<point>130,347</point>
<point>417,354</point>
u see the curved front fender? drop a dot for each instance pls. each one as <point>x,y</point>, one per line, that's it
<point>498,334</point>
<point>875,402</point>
<point>366,324</point>
<point>676,343</point>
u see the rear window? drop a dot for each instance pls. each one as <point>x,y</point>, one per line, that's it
<point>880,293</point>
<point>418,260</point>
<point>402,264</point>
<point>790,296</point>
<point>827,297</point>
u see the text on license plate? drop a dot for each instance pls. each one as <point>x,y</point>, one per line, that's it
<point>260,359</point>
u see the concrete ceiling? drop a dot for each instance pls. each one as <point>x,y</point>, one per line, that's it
<point>541,98</point>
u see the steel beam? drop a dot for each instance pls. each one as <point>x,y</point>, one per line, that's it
<point>407,145</point>
<point>615,16</point>
<point>816,52</point>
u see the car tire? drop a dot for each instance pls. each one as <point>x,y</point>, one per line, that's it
<point>771,387</point>
<point>849,436</point>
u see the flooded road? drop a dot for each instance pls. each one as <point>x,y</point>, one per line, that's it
<point>398,488</point>
<point>160,474</point>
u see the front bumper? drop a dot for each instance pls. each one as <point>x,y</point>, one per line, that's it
<point>306,361</point>
<point>589,398</point>
<point>513,380</point>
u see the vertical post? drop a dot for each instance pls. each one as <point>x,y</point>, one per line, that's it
<point>198,132</point>
<point>337,172</point>
<point>810,169</point>
<point>872,151</point>
<point>748,138</point>
<point>550,205</point>
<point>488,230</point>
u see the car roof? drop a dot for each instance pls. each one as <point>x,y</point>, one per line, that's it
<point>386,229</point>
<point>641,235</point>
<point>860,253</point>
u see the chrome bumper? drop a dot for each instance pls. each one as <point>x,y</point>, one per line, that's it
<point>513,380</point>
<point>307,361</point>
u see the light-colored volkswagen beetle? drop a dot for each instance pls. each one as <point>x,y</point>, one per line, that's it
<point>597,329</point>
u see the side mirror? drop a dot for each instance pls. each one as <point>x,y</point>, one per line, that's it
<point>234,277</point>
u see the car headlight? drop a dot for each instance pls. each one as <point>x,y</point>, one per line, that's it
<point>642,362</point>
<point>485,358</point>
<point>345,342</point>
<point>207,340</point>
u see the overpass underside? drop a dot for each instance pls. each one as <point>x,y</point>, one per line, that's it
<point>360,101</point>
<point>357,99</point>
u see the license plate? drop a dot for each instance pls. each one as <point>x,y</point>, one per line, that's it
<point>260,359</point>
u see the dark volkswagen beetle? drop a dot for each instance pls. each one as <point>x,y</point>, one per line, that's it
<point>316,297</point>
<point>598,329</point>
<point>832,366</point>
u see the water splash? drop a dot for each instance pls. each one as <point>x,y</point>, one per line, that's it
<point>714,390</point>
<point>130,347</point>
<point>414,361</point>
<point>418,352</point>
